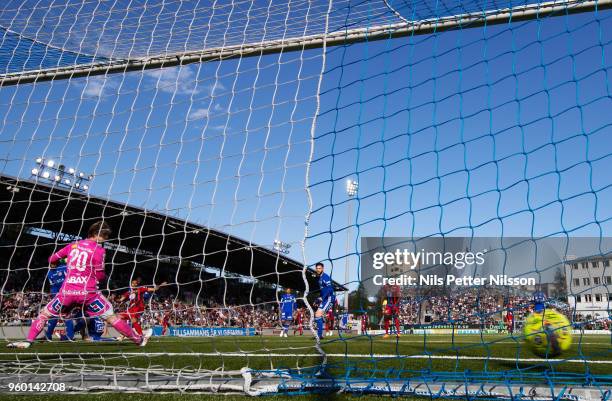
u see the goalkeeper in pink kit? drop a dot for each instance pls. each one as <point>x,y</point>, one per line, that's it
<point>85,268</point>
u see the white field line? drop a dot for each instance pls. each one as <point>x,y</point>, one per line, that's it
<point>280,355</point>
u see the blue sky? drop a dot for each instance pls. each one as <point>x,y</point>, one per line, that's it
<point>503,130</point>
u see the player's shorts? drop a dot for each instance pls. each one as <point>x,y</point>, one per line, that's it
<point>286,316</point>
<point>327,304</point>
<point>391,310</point>
<point>132,313</point>
<point>93,304</point>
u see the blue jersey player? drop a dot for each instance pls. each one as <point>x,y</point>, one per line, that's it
<point>539,302</point>
<point>91,329</point>
<point>328,298</point>
<point>287,308</point>
<point>94,328</point>
<point>344,325</point>
<point>56,277</point>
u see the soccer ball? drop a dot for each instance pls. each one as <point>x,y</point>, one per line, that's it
<point>548,334</point>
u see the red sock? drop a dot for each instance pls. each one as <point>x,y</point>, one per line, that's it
<point>136,325</point>
<point>397,326</point>
<point>387,326</point>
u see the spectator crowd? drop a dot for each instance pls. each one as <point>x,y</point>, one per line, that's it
<point>18,308</point>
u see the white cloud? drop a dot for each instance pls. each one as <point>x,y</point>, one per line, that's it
<point>106,49</point>
<point>198,114</point>
<point>217,107</point>
<point>170,80</point>
<point>215,88</point>
<point>96,86</point>
<point>182,80</point>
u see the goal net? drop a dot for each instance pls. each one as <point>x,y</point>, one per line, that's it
<point>232,145</point>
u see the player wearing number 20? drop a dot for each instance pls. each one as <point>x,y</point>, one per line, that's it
<point>85,268</point>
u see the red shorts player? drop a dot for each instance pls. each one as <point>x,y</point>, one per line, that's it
<point>364,324</point>
<point>329,322</point>
<point>136,305</point>
<point>509,320</point>
<point>299,322</point>
<point>165,322</point>
<point>391,306</point>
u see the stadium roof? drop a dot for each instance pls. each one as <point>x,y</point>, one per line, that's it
<point>60,210</point>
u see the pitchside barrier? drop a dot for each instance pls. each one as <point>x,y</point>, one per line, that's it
<point>16,332</point>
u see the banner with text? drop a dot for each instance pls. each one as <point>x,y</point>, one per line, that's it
<point>190,331</point>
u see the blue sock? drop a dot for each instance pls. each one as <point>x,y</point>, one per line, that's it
<point>320,327</point>
<point>69,329</point>
<point>50,327</point>
<point>285,327</point>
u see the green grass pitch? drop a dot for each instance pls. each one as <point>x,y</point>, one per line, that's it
<point>405,357</point>
<point>357,357</point>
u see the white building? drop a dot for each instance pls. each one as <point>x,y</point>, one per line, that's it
<point>589,285</point>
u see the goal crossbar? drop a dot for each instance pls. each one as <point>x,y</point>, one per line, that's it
<point>380,32</point>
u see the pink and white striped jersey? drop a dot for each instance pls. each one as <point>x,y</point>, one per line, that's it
<point>85,265</point>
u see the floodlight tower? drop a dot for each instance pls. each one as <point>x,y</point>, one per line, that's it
<point>59,175</point>
<point>351,192</point>
<point>281,247</point>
